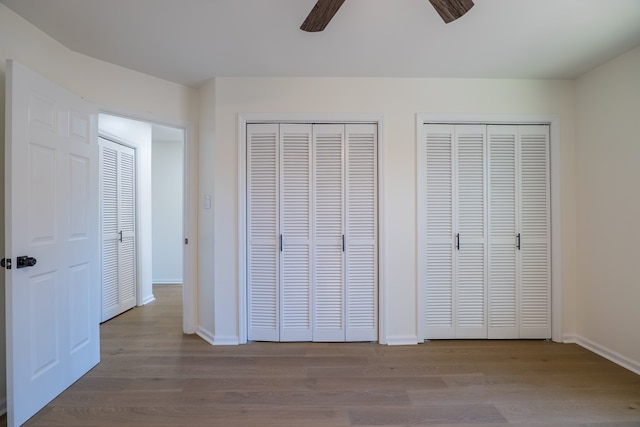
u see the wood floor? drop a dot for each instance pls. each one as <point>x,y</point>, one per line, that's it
<point>153,375</point>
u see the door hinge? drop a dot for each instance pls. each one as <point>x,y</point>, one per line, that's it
<point>6,263</point>
<point>186,241</point>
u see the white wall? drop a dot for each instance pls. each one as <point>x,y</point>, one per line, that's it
<point>207,225</point>
<point>398,100</point>
<point>608,206</point>
<point>111,87</point>
<point>167,182</point>
<point>137,134</point>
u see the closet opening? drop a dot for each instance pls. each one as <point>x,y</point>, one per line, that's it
<point>488,224</point>
<point>310,230</point>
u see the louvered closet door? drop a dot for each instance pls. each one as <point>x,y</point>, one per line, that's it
<point>470,300</point>
<point>361,237</point>
<point>455,305</point>
<point>535,253</point>
<point>519,262</point>
<point>329,293</point>
<point>263,232</point>
<point>503,230</point>
<point>117,183</point>
<point>439,308</point>
<point>295,229</point>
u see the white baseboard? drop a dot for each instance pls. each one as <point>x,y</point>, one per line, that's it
<point>229,340</point>
<point>167,282</point>
<point>615,357</point>
<point>569,339</point>
<point>148,299</point>
<point>402,340</point>
<point>205,334</point>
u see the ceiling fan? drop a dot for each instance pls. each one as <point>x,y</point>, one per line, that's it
<point>323,12</point>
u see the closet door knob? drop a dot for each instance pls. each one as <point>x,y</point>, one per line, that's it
<point>458,241</point>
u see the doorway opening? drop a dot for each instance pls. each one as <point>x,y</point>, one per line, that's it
<point>159,201</point>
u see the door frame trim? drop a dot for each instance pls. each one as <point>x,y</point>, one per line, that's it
<point>247,118</point>
<point>555,173</point>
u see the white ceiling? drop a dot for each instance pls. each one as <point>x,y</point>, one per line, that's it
<point>191,41</point>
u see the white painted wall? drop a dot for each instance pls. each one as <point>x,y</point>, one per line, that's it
<point>207,225</point>
<point>167,182</point>
<point>398,100</point>
<point>137,134</point>
<point>608,206</point>
<point>111,87</point>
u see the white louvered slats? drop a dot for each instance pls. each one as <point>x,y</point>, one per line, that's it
<point>503,230</point>
<point>312,232</point>
<point>329,294</point>
<point>439,216</point>
<point>486,188</point>
<point>117,187</point>
<point>127,219</point>
<point>470,197</point>
<point>361,233</point>
<point>263,278</point>
<point>109,201</point>
<point>295,228</point>
<point>535,309</point>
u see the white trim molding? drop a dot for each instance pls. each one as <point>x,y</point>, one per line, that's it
<point>614,356</point>
<point>402,340</point>
<point>556,201</point>
<point>205,334</point>
<point>347,118</point>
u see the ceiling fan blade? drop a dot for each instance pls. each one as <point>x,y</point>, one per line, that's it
<point>450,10</point>
<point>320,15</point>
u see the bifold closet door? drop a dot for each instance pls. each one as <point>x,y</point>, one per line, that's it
<point>519,232</point>
<point>279,232</point>
<point>295,232</point>
<point>456,245</point>
<point>117,189</point>
<point>345,238</point>
<point>263,232</point>
<point>312,232</point>
<point>329,233</point>
<point>361,232</point>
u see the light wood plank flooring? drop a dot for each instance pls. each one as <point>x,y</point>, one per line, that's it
<point>153,375</point>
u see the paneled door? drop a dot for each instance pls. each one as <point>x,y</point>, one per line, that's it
<point>52,241</point>
<point>117,194</point>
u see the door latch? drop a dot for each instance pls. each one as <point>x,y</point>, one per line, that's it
<point>25,261</point>
<point>6,263</point>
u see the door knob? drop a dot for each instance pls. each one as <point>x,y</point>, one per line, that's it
<point>25,261</point>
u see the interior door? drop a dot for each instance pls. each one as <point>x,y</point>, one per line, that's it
<point>117,192</point>
<point>51,200</point>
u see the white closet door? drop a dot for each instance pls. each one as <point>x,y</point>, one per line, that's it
<point>503,230</point>
<point>263,276</point>
<point>520,258</point>
<point>439,293</point>
<point>329,295</point>
<point>470,300</point>
<point>295,230</point>
<point>117,180</point>
<point>535,253</point>
<point>361,238</point>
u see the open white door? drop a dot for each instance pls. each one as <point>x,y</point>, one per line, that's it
<point>51,200</point>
